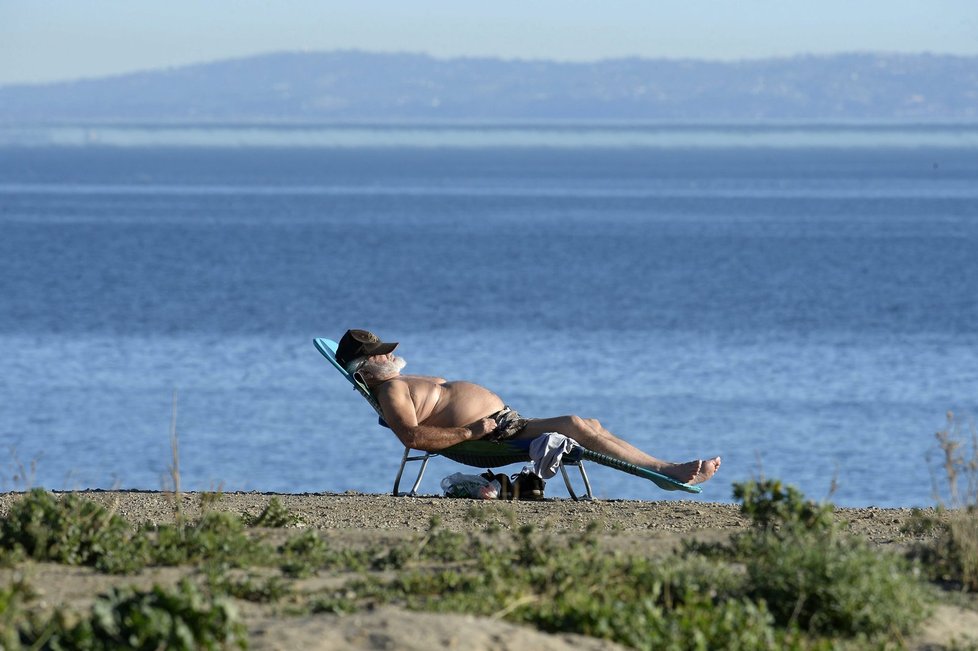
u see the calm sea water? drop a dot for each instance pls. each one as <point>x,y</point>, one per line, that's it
<point>806,311</point>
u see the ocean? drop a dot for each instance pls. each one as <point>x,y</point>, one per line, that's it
<point>800,300</point>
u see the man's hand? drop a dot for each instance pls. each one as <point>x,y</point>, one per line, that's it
<point>482,427</point>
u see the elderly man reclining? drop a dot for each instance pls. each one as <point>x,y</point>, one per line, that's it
<point>430,414</point>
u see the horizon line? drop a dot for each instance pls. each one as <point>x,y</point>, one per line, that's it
<point>466,57</point>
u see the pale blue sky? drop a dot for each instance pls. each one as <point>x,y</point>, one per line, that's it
<point>45,40</point>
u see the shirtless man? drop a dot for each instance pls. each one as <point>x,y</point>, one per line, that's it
<point>429,414</point>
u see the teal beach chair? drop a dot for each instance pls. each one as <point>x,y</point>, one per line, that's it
<point>486,454</point>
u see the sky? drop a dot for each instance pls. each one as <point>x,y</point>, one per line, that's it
<point>55,40</point>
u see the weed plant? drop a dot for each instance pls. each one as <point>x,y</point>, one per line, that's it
<point>443,545</point>
<point>952,556</point>
<point>76,531</point>
<point>274,515</point>
<point>831,584</point>
<point>770,505</point>
<point>12,612</point>
<point>181,619</point>
<point>307,553</point>
<point>303,555</point>
<point>208,500</point>
<point>814,576</point>
<point>72,530</point>
<point>251,588</point>
<point>958,463</point>
<point>218,537</point>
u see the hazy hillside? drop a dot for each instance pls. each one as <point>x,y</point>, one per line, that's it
<point>316,87</point>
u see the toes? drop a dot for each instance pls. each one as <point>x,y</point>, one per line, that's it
<point>705,470</point>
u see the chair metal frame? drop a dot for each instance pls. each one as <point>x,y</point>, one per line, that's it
<point>424,457</point>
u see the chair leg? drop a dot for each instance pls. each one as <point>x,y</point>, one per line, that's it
<point>570,489</point>
<point>417,482</point>
<point>587,483</point>
<point>400,471</point>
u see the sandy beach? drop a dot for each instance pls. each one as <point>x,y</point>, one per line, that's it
<point>646,528</point>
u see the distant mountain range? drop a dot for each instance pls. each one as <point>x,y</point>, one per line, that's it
<point>359,86</point>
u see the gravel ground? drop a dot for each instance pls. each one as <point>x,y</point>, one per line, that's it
<point>355,511</point>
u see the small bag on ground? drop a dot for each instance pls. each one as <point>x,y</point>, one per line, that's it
<point>461,485</point>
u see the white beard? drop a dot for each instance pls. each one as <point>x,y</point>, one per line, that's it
<point>386,369</point>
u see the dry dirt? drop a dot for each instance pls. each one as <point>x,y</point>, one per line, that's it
<point>643,527</point>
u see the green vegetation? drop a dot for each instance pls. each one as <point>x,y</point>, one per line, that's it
<point>958,463</point>
<point>72,530</point>
<point>249,588</point>
<point>12,613</point>
<point>218,537</point>
<point>814,576</point>
<point>76,531</point>
<point>303,555</point>
<point>952,556</point>
<point>575,586</point>
<point>272,516</point>
<point>307,553</point>
<point>769,505</point>
<point>180,619</point>
<point>794,580</point>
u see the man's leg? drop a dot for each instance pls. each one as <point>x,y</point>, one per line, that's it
<point>589,433</point>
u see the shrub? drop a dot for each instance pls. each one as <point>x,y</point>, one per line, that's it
<point>217,537</point>
<point>768,504</point>
<point>12,615</point>
<point>952,556</point>
<point>644,604</point>
<point>249,588</point>
<point>181,619</point>
<point>813,576</point>
<point>72,530</point>
<point>832,584</point>
<point>445,545</point>
<point>303,555</point>
<point>702,625</point>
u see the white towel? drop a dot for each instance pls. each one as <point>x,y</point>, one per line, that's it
<point>546,451</point>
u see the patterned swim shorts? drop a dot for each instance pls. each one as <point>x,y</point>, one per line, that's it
<point>508,425</point>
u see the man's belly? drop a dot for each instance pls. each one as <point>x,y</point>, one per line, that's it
<point>462,403</point>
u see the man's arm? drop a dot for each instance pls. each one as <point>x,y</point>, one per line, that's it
<point>399,413</point>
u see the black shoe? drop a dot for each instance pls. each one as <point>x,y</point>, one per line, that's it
<point>527,486</point>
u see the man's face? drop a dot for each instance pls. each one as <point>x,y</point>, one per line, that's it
<point>382,366</point>
<point>380,359</point>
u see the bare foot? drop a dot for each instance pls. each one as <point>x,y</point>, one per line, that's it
<point>708,468</point>
<point>692,472</point>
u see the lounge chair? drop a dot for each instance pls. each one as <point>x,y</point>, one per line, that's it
<point>486,454</point>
